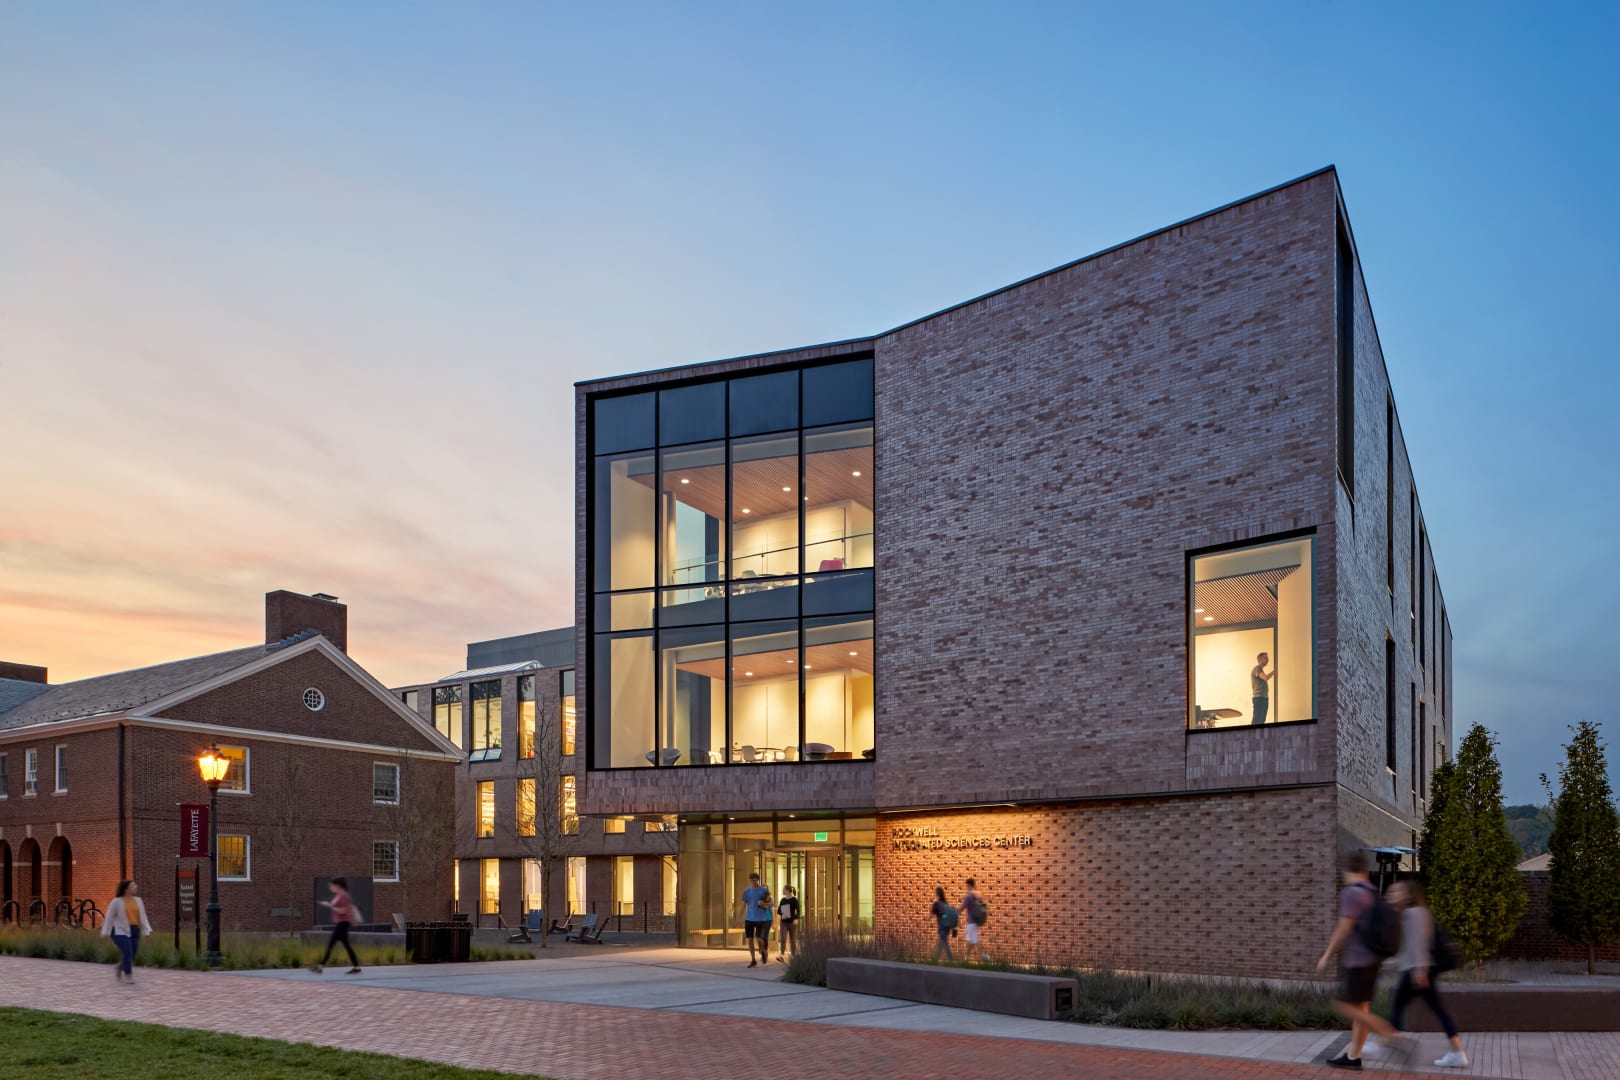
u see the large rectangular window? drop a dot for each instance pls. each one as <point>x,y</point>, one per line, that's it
<point>1253,633</point>
<point>526,716</point>
<point>30,772</point>
<point>486,720</point>
<point>385,783</point>
<point>489,886</point>
<point>732,539</point>
<point>1389,704</point>
<point>525,806</point>
<point>385,860</point>
<point>447,713</point>
<point>569,717</point>
<point>237,775</point>
<point>235,858</point>
<point>5,791</point>
<point>1345,291</point>
<point>61,770</point>
<point>486,809</point>
<point>624,885</point>
<point>568,806</point>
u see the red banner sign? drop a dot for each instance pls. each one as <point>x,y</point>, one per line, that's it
<point>194,830</point>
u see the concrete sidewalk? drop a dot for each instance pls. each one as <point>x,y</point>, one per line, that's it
<point>720,983</point>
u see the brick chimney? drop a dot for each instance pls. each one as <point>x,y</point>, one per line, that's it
<point>288,613</point>
<point>22,672</point>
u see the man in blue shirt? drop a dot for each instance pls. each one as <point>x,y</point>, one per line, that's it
<point>757,919</point>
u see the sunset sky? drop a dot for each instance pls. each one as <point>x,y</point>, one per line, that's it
<point>294,296</point>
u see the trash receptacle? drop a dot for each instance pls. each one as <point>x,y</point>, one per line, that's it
<point>457,943</point>
<point>422,943</point>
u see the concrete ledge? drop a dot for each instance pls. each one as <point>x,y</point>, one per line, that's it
<point>1038,996</point>
<point>1515,1007</point>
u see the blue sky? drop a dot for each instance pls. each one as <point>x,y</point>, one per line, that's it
<point>294,294</point>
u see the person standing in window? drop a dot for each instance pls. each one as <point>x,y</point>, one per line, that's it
<point>787,938</point>
<point>1260,682</point>
<point>126,920</point>
<point>343,913</point>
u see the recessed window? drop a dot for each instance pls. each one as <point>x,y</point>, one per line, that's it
<point>237,776</point>
<point>385,783</point>
<point>61,770</point>
<point>235,863</point>
<point>613,825</point>
<point>31,772</point>
<point>314,700</point>
<point>5,791</point>
<point>447,713</point>
<point>385,860</point>
<point>486,720</point>
<point>486,809</point>
<point>568,804</point>
<point>567,709</point>
<point>489,893</point>
<point>526,716</point>
<point>1252,628</point>
<point>525,806</point>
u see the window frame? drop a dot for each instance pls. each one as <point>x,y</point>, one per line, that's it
<point>479,802</point>
<point>398,783</point>
<point>31,772</point>
<point>392,845</point>
<point>247,772</point>
<point>59,769</point>
<point>1189,559</point>
<point>247,857</point>
<point>478,720</point>
<point>5,784</point>
<point>814,416</point>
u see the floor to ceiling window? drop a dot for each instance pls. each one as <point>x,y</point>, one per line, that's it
<point>731,537</point>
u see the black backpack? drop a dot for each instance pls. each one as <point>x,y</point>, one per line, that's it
<point>978,911</point>
<point>1379,926</point>
<point>1442,950</point>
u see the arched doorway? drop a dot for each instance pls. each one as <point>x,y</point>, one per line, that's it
<point>33,871</point>
<point>59,872</point>
<point>5,881</point>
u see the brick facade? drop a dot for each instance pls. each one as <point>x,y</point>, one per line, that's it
<point>1535,938</point>
<point>1047,458</point>
<point>309,811</point>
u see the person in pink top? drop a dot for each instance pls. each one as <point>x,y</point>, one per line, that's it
<point>343,913</point>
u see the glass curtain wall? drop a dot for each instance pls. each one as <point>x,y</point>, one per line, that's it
<point>732,547</point>
<point>828,861</point>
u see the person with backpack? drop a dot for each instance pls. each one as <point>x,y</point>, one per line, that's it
<point>944,916</point>
<point>974,913</point>
<point>787,914</point>
<point>1426,951</point>
<point>1367,933</point>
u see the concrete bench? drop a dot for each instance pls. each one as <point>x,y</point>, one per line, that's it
<point>1518,1007</point>
<point>1039,996</point>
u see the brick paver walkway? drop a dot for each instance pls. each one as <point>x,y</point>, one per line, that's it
<point>576,1042</point>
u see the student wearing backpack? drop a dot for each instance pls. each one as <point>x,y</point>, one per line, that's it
<point>944,916</point>
<point>1420,961</point>
<point>1365,934</point>
<point>973,914</point>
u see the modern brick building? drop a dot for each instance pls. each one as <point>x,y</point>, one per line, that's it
<point>987,594</point>
<point>512,709</point>
<point>330,775</point>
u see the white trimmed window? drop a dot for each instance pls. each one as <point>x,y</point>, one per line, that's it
<point>238,778</point>
<point>4,790</point>
<point>61,769</point>
<point>31,772</point>
<point>235,858</point>
<point>385,783</point>
<point>385,860</point>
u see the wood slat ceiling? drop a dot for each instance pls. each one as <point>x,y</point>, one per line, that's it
<point>1239,599</point>
<point>829,477</point>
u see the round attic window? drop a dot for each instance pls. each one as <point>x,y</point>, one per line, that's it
<point>314,700</point>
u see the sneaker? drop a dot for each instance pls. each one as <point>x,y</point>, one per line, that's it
<point>1345,1061</point>
<point>753,963</point>
<point>316,968</point>
<point>780,959</point>
<point>354,971</point>
<point>1454,1059</point>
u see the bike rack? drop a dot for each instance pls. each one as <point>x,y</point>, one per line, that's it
<point>11,911</point>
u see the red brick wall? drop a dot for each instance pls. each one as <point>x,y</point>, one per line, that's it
<point>85,816</point>
<point>1237,884</point>
<point>1535,939</point>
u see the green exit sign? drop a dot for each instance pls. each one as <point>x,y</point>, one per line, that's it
<point>821,838</point>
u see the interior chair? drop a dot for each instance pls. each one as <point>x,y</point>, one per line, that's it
<point>828,565</point>
<point>790,753</point>
<point>817,751</point>
<point>750,754</point>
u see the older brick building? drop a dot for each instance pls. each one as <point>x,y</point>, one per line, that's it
<point>330,775</point>
<point>987,595</point>
<point>513,710</point>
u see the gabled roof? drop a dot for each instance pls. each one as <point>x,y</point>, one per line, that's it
<point>499,669</point>
<point>13,692</point>
<point>125,690</point>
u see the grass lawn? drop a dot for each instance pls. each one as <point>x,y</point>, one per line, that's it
<point>57,1046</point>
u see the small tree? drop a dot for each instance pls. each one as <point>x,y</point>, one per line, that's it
<point>1472,862</point>
<point>1439,792</point>
<point>541,828</point>
<point>422,822</point>
<point>288,800</point>
<point>1584,898</point>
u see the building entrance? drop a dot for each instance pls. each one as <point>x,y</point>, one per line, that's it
<point>828,861</point>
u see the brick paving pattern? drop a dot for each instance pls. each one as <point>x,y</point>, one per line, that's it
<point>574,1042</point>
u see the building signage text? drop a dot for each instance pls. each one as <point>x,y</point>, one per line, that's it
<point>927,838</point>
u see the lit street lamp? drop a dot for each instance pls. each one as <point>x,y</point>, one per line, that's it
<point>213,765</point>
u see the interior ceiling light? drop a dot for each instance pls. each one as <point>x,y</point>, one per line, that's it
<point>852,652</point>
<point>1199,610</point>
<point>857,472</point>
<point>1209,618</point>
<point>746,510</point>
<point>807,667</point>
<point>787,489</point>
<point>748,673</point>
<point>684,480</point>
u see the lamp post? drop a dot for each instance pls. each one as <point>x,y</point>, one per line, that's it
<point>213,766</point>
